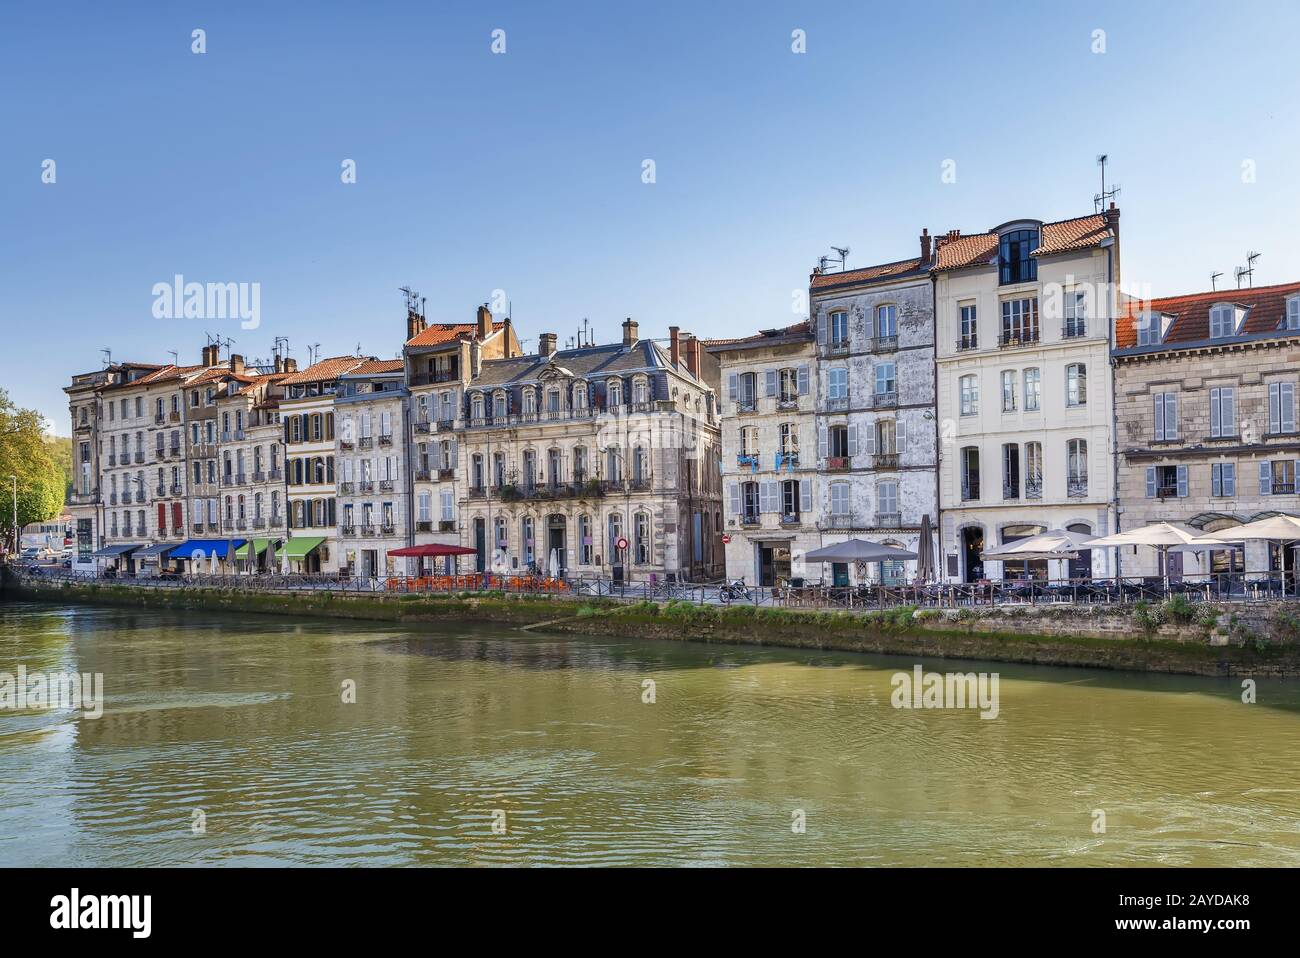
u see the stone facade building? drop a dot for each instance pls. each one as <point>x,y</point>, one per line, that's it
<point>769,451</point>
<point>1206,393</point>
<point>876,409</point>
<point>602,460</point>
<point>1024,313</point>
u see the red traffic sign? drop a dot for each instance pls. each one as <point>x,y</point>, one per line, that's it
<point>726,540</point>
<point>621,542</point>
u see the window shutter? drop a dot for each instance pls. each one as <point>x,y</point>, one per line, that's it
<point>1228,412</point>
<point>1216,479</point>
<point>900,435</point>
<point>733,386</point>
<point>1151,482</point>
<point>1182,481</point>
<point>803,380</point>
<point>821,328</point>
<point>853,440</point>
<point>1230,479</point>
<point>1288,406</point>
<point>1171,415</point>
<point>455,455</point>
<point>1265,479</point>
<point>735,499</point>
<point>770,382</point>
<point>1274,408</point>
<point>823,443</point>
<point>805,495</point>
<point>1216,412</point>
<point>773,496</point>
<point>1160,416</point>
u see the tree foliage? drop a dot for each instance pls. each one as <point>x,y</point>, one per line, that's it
<point>25,453</point>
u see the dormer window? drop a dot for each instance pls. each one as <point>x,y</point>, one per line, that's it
<point>1149,329</point>
<point>1223,321</point>
<point>1293,313</point>
<point>614,391</point>
<point>1015,264</point>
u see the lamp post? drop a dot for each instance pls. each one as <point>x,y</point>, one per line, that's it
<point>14,478</point>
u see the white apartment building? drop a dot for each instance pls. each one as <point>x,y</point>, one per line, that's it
<point>876,428</point>
<point>770,473</point>
<point>251,461</point>
<point>1024,314</point>
<point>374,489</point>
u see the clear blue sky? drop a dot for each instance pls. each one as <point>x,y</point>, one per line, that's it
<point>523,171</point>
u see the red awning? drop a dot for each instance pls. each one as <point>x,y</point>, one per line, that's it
<point>433,549</point>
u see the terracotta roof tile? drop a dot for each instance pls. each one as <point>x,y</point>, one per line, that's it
<point>326,369</point>
<point>374,366</point>
<point>1266,307</point>
<point>869,274</point>
<point>798,329</point>
<point>956,251</point>
<point>437,333</point>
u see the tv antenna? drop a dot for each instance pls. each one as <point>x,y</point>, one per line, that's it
<point>176,357</point>
<point>823,261</point>
<point>281,346</point>
<point>412,299</point>
<point>1214,281</point>
<point>1251,256</point>
<point>108,356</point>
<point>584,334</point>
<point>1099,200</point>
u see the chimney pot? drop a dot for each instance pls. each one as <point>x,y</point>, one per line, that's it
<point>629,332</point>
<point>236,363</point>
<point>925,246</point>
<point>484,321</point>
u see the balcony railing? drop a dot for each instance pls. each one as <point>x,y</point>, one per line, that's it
<point>1077,487</point>
<point>884,344</point>
<point>174,416</point>
<point>259,523</point>
<point>387,528</point>
<point>1283,488</point>
<point>275,475</point>
<point>174,452</point>
<point>1010,491</point>
<point>1073,330</point>
<point>837,404</point>
<point>159,419</point>
<point>747,460</point>
<point>1033,488</point>
<point>345,488</point>
<point>838,464</point>
<point>422,474</point>
<point>367,530</point>
<point>477,492</point>
<point>884,460</point>
<point>836,520</point>
<point>112,498</point>
<point>347,531</point>
<point>750,519</point>
<point>386,439</point>
<point>385,485</point>
<point>444,474</point>
<point>884,400</point>
<point>790,519</point>
<point>139,455</point>
<point>241,523</point>
<point>746,406</point>
<point>366,486</point>
<point>345,444</point>
<point>970,489</point>
<point>160,491</point>
<point>365,442</point>
<point>836,347</point>
<point>112,459</point>
<point>422,425</point>
<point>445,425</point>
<point>889,520</point>
<point>139,495</point>
<point>967,342</point>
<point>1020,337</point>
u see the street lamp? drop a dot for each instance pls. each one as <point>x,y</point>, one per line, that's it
<point>14,478</point>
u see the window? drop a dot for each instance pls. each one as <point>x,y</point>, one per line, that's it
<point>790,498</point>
<point>500,405</point>
<point>526,528</point>
<point>1033,389</point>
<point>747,397</point>
<point>502,538</point>
<point>1166,482</point>
<point>1148,329</point>
<point>1223,479</point>
<point>1010,471</point>
<point>1076,459</point>
<point>579,463</point>
<point>1293,313</point>
<point>789,433</point>
<point>1015,264</point>
<point>749,501</point>
<point>640,391</point>
<point>886,321</point>
<point>1277,478</point>
<point>837,383</point>
<point>1166,416</point>
<point>887,500</point>
<point>886,437</point>
<point>1019,321</point>
<point>1076,384</point>
<point>614,390</point>
<point>1033,470</point>
<point>1008,390</point>
<point>886,379</point>
<point>788,386</point>
<point>530,402</point>
<point>1223,321</point>
<point>1076,313</point>
<point>584,540</point>
<point>1281,408</point>
<point>969,391</point>
<point>837,442</point>
<point>839,328</point>
<point>969,333</point>
<point>970,472</point>
<point>1223,415</point>
<point>839,498</point>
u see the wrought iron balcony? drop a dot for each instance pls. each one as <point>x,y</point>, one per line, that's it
<point>476,492</point>
<point>884,460</point>
<point>1010,491</point>
<point>422,425</point>
<point>837,404</point>
<point>749,459</point>
<point>884,344</point>
<point>968,342</point>
<point>1074,330</point>
<point>387,528</point>
<point>347,531</point>
<point>751,519</point>
<point>385,485</point>
<point>1077,487</point>
<point>970,489</point>
<point>838,464</point>
<point>444,474</point>
<point>836,520</point>
<point>1020,337</point>
<point>884,399</point>
<point>365,442</point>
<point>889,520</point>
<point>345,488</point>
<point>367,530</point>
<point>386,439</point>
<point>1034,488</point>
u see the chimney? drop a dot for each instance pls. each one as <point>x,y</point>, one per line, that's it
<point>279,363</point>
<point>211,354</point>
<point>688,353</point>
<point>675,346</point>
<point>545,344</point>
<point>629,332</point>
<point>290,365</point>
<point>484,320</point>
<point>1112,220</point>
<point>506,333</point>
<point>925,247</point>
<point>696,361</point>
<point>414,323</point>
<point>236,363</point>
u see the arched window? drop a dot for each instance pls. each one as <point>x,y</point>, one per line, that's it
<point>585,545</point>
<point>526,529</point>
<point>476,406</point>
<point>643,545</point>
<point>614,393</point>
<point>1076,456</point>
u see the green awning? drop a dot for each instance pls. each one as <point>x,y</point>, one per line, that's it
<point>299,546</point>
<point>259,546</point>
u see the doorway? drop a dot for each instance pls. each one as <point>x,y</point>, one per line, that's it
<point>1080,568</point>
<point>555,542</point>
<point>840,574</point>
<point>972,544</point>
<point>480,544</point>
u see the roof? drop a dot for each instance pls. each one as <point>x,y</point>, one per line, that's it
<point>436,333</point>
<point>373,366</point>
<point>585,363</point>
<point>1265,305</point>
<point>795,333</point>
<point>326,369</point>
<point>956,251</point>
<point>159,374</point>
<point>885,272</point>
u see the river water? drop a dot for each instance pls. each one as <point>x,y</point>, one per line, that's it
<point>227,740</point>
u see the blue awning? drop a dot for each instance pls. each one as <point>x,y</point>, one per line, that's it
<point>156,551</point>
<point>111,552</point>
<point>205,548</point>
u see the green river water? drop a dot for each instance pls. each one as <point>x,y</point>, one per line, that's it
<point>243,719</point>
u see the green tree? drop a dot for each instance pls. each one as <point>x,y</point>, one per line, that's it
<point>24,453</point>
<point>60,448</point>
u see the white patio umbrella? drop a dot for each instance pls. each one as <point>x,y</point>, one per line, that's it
<point>1279,528</point>
<point>1160,536</point>
<point>212,561</point>
<point>553,567</point>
